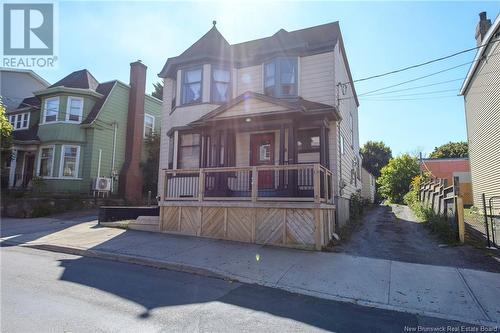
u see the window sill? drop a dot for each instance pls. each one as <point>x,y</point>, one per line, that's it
<point>60,178</point>
<point>60,122</point>
<point>20,129</point>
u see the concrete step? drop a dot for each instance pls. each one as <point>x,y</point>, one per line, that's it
<point>144,227</point>
<point>149,220</point>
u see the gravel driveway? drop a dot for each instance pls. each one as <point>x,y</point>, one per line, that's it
<point>392,232</point>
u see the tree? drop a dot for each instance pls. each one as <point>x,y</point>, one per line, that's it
<point>5,143</point>
<point>375,156</point>
<point>450,150</point>
<point>150,166</point>
<point>158,93</point>
<point>395,178</point>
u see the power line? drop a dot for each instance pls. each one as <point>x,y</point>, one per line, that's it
<point>409,99</point>
<point>424,63</point>
<point>426,76</point>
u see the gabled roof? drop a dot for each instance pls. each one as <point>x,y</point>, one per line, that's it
<point>213,46</point>
<point>299,104</point>
<point>105,90</point>
<point>480,53</point>
<point>81,79</point>
<point>27,71</point>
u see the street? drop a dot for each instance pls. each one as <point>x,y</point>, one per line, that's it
<point>51,292</point>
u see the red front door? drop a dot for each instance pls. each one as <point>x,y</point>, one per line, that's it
<point>262,153</point>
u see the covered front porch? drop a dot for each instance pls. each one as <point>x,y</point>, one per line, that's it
<point>261,177</point>
<point>22,166</point>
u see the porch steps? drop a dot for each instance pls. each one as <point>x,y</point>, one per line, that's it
<point>145,223</point>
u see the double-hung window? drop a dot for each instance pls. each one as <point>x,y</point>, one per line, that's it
<point>19,121</point>
<point>280,77</point>
<point>74,112</point>
<point>149,125</point>
<point>70,156</point>
<point>189,151</point>
<point>191,85</point>
<point>51,109</point>
<point>221,85</point>
<point>46,161</point>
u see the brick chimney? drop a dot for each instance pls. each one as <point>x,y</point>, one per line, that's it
<point>131,174</point>
<point>482,27</point>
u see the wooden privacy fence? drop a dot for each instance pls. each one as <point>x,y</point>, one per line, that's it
<point>445,202</point>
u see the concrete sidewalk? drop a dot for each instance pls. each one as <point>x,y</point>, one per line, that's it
<point>445,292</point>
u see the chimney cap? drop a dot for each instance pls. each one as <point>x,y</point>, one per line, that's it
<point>137,62</point>
<point>482,16</point>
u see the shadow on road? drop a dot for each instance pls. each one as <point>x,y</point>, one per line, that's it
<point>156,288</point>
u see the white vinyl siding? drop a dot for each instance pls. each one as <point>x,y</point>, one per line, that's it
<point>482,111</point>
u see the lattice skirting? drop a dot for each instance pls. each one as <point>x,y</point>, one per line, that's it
<point>307,228</point>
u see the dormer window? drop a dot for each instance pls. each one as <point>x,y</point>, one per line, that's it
<point>221,82</point>
<point>19,121</point>
<point>191,85</point>
<point>280,77</point>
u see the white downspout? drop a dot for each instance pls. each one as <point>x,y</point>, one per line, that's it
<point>99,164</point>
<point>115,125</point>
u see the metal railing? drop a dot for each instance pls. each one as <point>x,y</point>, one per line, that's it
<point>297,182</point>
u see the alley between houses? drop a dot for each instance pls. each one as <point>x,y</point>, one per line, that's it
<point>393,233</point>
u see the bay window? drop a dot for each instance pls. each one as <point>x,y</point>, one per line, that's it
<point>280,77</point>
<point>221,81</point>
<point>70,156</point>
<point>74,112</point>
<point>191,85</point>
<point>51,110</point>
<point>189,151</point>
<point>46,161</point>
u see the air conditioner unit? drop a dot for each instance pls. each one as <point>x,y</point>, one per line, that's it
<point>102,184</point>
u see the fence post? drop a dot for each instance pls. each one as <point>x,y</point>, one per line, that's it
<point>255,183</point>
<point>485,212</point>
<point>460,217</point>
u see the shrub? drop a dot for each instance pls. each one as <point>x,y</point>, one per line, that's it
<point>356,205</point>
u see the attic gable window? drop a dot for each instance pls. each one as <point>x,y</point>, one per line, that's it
<point>221,79</point>
<point>280,77</point>
<point>191,85</point>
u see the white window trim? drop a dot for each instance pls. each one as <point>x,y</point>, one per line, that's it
<point>77,162</point>
<point>45,109</point>
<point>68,105</point>
<point>144,127</point>
<point>39,160</point>
<point>15,121</point>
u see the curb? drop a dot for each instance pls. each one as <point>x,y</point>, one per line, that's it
<point>144,261</point>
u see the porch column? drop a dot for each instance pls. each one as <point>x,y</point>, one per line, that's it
<point>282,157</point>
<point>12,170</point>
<point>292,159</point>
<point>322,145</point>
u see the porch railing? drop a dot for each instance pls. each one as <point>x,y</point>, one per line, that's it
<point>297,182</point>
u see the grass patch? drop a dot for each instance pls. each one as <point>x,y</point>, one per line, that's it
<point>435,223</point>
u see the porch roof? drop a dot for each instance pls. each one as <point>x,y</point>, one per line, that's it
<point>276,106</point>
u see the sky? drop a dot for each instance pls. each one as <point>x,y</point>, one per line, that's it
<point>105,37</point>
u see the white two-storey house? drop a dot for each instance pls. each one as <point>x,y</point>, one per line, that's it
<point>259,140</point>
